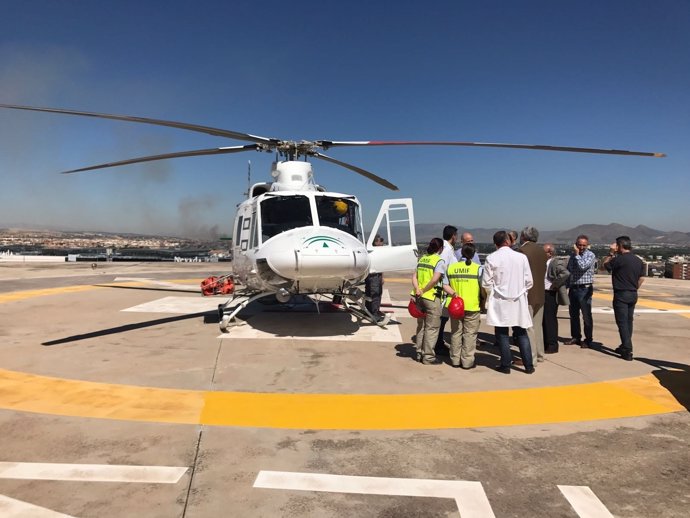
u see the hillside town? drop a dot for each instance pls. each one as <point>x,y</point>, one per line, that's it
<point>661,259</point>
<point>95,246</point>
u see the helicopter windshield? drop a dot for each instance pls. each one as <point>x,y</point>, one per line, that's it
<point>281,213</point>
<point>340,213</point>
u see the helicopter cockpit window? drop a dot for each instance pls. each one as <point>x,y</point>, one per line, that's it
<point>281,213</point>
<point>339,213</point>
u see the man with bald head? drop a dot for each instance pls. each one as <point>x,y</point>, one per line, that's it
<point>464,239</point>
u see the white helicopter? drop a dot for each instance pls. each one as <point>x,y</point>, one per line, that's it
<point>291,236</point>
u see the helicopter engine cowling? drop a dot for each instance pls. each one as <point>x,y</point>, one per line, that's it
<point>313,259</point>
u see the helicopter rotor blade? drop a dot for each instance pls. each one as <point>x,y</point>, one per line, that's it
<point>358,170</point>
<point>325,144</point>
<point>196,152</point>
<point>158,122</point>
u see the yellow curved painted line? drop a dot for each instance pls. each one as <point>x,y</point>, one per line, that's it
<point>649,303</point>
<point>14,296</point>
<point>604,400</point>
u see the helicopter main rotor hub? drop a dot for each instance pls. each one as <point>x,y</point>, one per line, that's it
<point>291,148</point>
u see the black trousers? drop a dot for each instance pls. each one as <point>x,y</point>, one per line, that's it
<point>623,308</point>
<point>550,321</point>
<point>373,287</point>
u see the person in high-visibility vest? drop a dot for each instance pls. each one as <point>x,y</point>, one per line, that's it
<point>464,280</point>
<point>427,283</point>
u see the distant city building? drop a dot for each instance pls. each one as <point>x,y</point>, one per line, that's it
<point>678,270</point>
<point>678,267</point>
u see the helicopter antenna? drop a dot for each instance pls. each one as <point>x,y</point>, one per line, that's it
<point>249,177</point>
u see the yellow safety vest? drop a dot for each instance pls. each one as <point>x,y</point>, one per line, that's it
<point>425,271</point>
<point>464,280</point>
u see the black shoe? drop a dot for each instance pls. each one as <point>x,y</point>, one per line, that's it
<point>529,370</point>
<point>550,351</point>
<point>572,341</point>
<point>502,370</point>
<point>468,368</point>
<point>628,357</point>
<point>441,350</point>
<point>585,345</point>
<point>619,350</point>
<point>435,361</point>
<point>455,366</point>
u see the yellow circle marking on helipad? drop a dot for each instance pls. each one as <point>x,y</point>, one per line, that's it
<point>15,296</point>
<point>603,400</point>
<point>585,402</point>
<point>649,303</point>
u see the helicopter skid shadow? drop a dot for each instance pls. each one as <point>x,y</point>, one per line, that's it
<point>124,328</point>
<point>303,325</point>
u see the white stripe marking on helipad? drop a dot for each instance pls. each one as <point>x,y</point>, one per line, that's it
<point>91,472</point>
<point>179,305</point>
<point>585,502</point>
<point>11,508</point>
<point>469,496</point>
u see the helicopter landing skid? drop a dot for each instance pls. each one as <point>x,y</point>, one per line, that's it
<point>227,313</point>
<point>361,312</point>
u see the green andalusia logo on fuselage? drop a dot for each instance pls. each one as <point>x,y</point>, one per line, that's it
<point>327,241</point>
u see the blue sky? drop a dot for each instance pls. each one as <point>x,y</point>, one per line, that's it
<point>612,74</point>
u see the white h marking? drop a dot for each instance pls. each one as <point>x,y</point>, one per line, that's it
<point>585,502</point>
<point>11,508</point>
<point>469,496</point>
<point>91,472</point>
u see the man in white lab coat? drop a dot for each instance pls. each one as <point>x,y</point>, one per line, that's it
<point>507,278</point>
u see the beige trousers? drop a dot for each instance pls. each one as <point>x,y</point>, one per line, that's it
<point>463,339</point>
<point>535,333</point>
<point>427,329</point>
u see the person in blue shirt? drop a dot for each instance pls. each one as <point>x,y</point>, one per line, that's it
<point>581,266</point>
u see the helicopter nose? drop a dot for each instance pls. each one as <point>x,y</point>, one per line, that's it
<point>325,255</point>
<point>328,256</point>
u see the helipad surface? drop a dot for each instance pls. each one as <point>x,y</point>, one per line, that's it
<point>104,368</point>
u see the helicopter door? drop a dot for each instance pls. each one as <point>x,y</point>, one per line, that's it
<point>395,224</point>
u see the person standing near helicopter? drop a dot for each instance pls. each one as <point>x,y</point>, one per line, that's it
<point>450,237</point>
<point>427,283</point>
<point>464,280</point>
<point>373,288</point>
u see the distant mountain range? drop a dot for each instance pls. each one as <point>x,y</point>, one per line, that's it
<point>598,234</point>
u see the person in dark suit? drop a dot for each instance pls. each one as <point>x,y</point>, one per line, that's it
<point>555,294</point>
<point>535,296</point>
